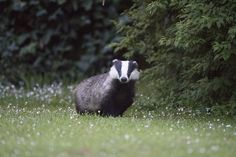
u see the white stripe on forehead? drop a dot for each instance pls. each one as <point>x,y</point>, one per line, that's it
<point>124,68</point>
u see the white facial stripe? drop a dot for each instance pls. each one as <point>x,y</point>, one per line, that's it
<point>113,73</point>
<point>124,69</point>
<point>135,75</point>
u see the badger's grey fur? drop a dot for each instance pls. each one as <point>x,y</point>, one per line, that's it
<point>108,94</point>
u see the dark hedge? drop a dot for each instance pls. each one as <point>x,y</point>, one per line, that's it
<point>56,37</point>
<point>191,45</point>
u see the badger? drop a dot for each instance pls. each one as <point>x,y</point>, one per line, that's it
<point>111,93</point>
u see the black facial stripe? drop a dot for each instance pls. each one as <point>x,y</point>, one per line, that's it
<point>131,68</point>
<point>118,67</point>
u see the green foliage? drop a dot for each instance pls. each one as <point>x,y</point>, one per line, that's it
<point>191,47</point>
<point>59,37</point>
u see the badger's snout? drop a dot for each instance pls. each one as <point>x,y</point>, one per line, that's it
<point>123,79</point>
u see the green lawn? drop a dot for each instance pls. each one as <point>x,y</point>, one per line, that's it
<point>33,127</point>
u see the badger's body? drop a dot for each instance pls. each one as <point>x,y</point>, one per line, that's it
<point>108,94</point>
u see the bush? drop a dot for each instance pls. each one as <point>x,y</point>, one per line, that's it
<point>57,37</point>
<point>191,47</point>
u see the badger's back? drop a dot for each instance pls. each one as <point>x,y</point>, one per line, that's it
<point>104,95</point>
<point>88,93</point>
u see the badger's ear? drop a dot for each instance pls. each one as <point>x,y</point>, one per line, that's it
<point>135,64</point>
<point>114,60</point>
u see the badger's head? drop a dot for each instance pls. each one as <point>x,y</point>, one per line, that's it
<point>124,71</point>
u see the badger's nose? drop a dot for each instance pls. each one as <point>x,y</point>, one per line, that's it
<point>123,79</point>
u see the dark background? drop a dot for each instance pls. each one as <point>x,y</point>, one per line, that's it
<point>62,39</point>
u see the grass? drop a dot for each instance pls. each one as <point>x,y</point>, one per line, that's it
<point>42,122</point>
